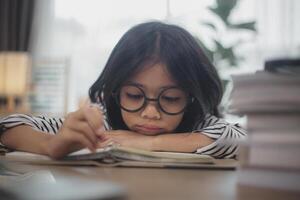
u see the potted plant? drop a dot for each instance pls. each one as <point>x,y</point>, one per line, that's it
<point>219,53</point>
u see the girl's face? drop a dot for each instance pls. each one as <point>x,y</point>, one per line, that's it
<point>151,120</point>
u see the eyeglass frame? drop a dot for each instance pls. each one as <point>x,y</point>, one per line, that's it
<point>116,96</point>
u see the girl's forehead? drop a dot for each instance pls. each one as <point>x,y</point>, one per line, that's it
<point>153,76</point>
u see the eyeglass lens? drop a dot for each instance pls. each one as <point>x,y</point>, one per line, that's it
<point>172,100</point>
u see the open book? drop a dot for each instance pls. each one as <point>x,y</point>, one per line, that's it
<point>114,154</point>
<point>124,156</point>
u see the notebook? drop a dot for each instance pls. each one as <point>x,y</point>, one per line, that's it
<point>124,156</point>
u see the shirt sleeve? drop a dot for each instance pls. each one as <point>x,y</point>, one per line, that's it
<point>49,125</point>
<point>226,137</point>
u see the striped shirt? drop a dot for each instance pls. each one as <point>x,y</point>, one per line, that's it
<point>225,135</point>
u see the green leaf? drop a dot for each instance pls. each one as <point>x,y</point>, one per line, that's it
<point>223,9</point>
<point>226,53</point>
<point>246,25</point>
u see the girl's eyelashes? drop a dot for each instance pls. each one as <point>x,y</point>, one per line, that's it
<point>170,99</point>
<point>134,96</point>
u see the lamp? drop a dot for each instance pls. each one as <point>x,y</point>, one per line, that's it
<point>14,73</point>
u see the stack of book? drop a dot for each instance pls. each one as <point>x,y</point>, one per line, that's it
<point>270,157</point>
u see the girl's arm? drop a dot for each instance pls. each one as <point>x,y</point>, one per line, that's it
<point>25,138</point>
<point>80,129</point>
<point>214,137</point>
<point>18,128</point>
<point>226,137</point>
<point>180,142</point>
<point>174,142</point>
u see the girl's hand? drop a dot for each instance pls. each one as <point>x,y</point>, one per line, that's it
<point>80,129</point>
<point>126,139</point>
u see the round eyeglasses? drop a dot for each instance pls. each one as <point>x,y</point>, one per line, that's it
<point>171,100</point>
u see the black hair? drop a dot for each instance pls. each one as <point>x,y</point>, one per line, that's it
<point>172,46</point>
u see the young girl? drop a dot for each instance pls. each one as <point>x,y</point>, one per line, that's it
<point>158,92</point>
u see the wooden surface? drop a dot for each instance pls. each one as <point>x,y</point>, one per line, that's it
<point>149,183</point>
<point>154,183</point>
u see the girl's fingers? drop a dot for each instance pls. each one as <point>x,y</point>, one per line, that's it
<point>85,129</point>
<point>100,145</point>
<point>90,114</point>
<point>65,143</point>
<point>109,141</point>
<point>81,139</point>
<point>94,117</point>
<point>77,115</point>
<point>104,143</point>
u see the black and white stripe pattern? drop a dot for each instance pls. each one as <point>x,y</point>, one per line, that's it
<point>225,135</point>
<point>45,124</point>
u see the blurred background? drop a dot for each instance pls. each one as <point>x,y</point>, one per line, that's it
<point>52,51</point>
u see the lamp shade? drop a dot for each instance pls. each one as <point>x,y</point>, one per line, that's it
<point>14,68</point>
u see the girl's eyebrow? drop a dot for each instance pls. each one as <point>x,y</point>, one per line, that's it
<point>142,86</point>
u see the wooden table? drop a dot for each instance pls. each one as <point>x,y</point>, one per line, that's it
<point>150,183</point>
<point>157,183</point>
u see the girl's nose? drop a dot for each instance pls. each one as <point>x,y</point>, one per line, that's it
<point>151,111</point>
